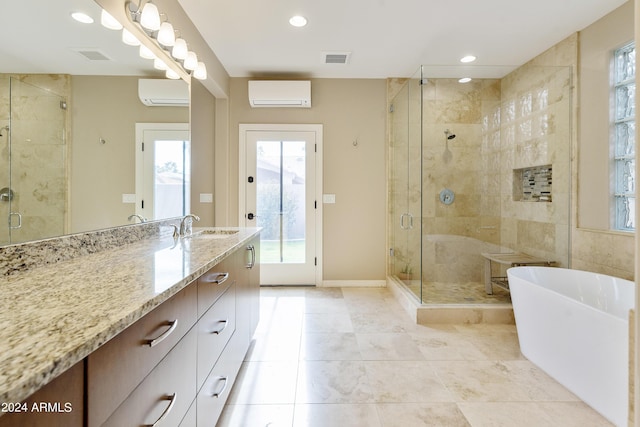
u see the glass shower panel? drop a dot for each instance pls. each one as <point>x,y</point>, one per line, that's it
<point>405,190</point>
<point>478,139</point>
<point>36,160</point>
<point>4,159</point>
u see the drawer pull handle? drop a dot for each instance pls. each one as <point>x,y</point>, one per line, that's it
<point>158,340</point>
<point>224,326</point>
<point>252,263</point>
<point>224,387</point>
<point>219,278</point>
<point>172,400</point>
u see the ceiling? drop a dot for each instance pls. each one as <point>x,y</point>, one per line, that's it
<point>386,38</point>
<point>50,41</point>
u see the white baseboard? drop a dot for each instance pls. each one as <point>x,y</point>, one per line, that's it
<point>354,283</point>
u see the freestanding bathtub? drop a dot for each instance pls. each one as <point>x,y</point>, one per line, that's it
<point>574,325</point>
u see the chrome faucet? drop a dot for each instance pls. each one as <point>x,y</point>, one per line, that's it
<point>140,217</point>
<point>186,222</point>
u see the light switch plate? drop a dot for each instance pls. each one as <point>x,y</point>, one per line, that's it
<point>328,198</point>
<point>206,198</point>
<point>128,198</point>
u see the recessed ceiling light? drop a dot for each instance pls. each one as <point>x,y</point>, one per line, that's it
<point>82,17</point>
<point>298,21</point>
<point>468,58</point>
<point>464,80</point>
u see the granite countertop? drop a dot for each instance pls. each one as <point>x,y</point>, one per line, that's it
<point>54,316</point>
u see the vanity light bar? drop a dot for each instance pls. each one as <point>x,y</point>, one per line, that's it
<point>146,15</point>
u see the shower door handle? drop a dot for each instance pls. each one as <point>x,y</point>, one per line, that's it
<point>402,226</point>
<point>19,224</point>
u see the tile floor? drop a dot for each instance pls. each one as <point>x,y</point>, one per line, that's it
<point>351,357</point>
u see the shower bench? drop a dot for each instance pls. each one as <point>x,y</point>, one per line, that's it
<point>512,259</point>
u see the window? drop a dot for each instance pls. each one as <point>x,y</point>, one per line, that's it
<point>624,141</point>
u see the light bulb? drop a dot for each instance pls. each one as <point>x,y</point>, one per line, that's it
<point>166,35</point>
<point>191,61</point>
<point>128,38</point>
<point>172,74</point>
<point>180,50</point>
<point>200,72</point>
<point>298,21</point>
<point>150,17</point>
<point>146,53</point>
<point>109,21</point>
<point>159,64</point>
<point>82,17</point>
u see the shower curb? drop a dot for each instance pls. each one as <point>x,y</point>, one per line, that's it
<point>428,314</point>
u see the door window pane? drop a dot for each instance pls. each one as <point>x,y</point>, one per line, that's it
<point>172,172</point>
<point>280,204</point>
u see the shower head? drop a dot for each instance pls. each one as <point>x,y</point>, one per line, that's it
<point>449,134</point>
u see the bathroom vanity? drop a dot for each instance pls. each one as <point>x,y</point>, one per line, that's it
<point>153,330</point>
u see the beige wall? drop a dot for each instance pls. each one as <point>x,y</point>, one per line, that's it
<point>595,248</point>
<point>107,108</point>
<point>349,110</point>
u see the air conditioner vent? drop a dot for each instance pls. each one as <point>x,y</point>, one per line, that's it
<point>336,57</point>
<point>280,93</point>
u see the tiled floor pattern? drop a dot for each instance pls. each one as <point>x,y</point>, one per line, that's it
<point>457,293</point>
<point>349,357</point>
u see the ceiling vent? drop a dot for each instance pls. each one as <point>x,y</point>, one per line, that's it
<point>92,54</point>
<point>280,93</point>
<point>163,93</point>
<point>336,57</point>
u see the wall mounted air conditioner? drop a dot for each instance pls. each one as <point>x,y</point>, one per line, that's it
<point>280,93</point>
<point>163,92</point>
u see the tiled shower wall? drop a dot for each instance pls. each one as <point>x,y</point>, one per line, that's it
<point>39,138</point>
<point>535,128</point>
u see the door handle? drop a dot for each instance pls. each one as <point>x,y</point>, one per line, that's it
<point>402,225</point>
<point>251,216</point>
<point>19,224</point>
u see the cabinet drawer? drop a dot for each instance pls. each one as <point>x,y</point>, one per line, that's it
<point>216,389</point>
<point>213,283</point>
<point>115,369</point>
<point>166,393</point>
<point>190,420</point>
<point>63,399</point>
<point>215,328</point>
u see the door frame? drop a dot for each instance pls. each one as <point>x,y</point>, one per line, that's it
<point>242,176</point>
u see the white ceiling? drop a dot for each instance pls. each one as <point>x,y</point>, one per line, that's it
<point>386,38</point>
<point>49,41</point>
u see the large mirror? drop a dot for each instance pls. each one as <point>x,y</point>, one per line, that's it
<point>69,113</point>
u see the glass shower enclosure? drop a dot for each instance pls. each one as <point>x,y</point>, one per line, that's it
<point>477,168</point>
<point>33,158</point>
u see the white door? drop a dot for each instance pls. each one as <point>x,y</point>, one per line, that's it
<point>280,176</point>
<point>163,170</point>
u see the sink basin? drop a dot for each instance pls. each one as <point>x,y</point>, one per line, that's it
<point>215,233</point>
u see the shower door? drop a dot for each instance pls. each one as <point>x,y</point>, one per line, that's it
<point>405,191</point>
<point>33,154</point>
